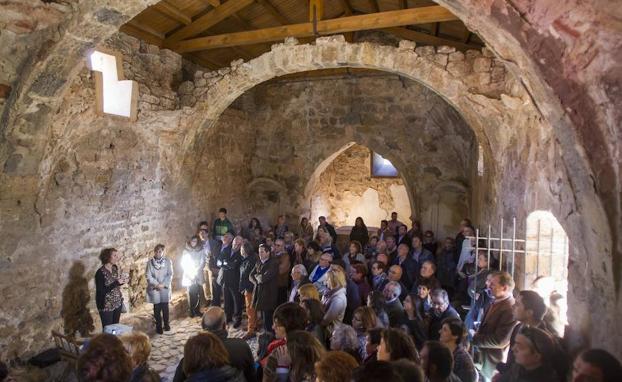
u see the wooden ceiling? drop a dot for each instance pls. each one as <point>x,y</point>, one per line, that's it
<point>212,33</point>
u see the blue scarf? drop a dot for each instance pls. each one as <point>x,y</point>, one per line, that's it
<point>319,272</point>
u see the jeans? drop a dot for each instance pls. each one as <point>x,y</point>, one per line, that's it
<point>160,312</point>
<point>110,317</point>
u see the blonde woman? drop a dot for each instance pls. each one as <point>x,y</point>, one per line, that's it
<point>138,347</point>
<point>334,299</point>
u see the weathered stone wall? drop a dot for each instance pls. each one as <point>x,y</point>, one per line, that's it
<point>346,190</point>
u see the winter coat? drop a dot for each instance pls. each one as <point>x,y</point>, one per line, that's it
<point>360,234</point>
<point>155,276</point>
<point>223,374</point>
<point>335,302</point>
<point>194,257</point>
<point>265,278</point>
<point>246,267</point>
<point>229,275</point>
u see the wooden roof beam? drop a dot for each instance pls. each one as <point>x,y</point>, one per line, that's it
<point>150,38</point>
<point>208,20</point>
<point>380,20</point>
<point>267,5</point>
<point>173,13</point>
<point>428,39</point>
<point>403,4</point>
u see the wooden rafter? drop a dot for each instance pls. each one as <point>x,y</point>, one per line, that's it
<point>403,4</point>
<point>278,16</point>
<point>424,38</point>
<point>146,29</point>
<point>325,27</point>
<point>208,20</point>
<point>141,34</point>
<point>172,12</point>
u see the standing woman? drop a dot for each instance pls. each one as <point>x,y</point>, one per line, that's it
<point>305,230</point>
<point>108,281</point>
<point>265,277</point>
<point>192,263</point>
<point>359,232</point>
<point>159,275</point>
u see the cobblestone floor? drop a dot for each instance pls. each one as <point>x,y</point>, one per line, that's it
<point>168,349</point>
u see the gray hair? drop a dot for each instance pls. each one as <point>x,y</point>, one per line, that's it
<point>213,319</point>
<point>440,293</point>
<point>397,288</point>
<point>301,268</point>
<point>344,336</point>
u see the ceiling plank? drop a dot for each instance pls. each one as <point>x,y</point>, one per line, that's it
<point>374,5</point>
<point>403,4</point>
<point>425,38</point>
<point>141,34</point>
<point>278,16</point>
<point>208,20</point>
<point>325,27</point>
<point>172,12</point>
<point>146,28</point>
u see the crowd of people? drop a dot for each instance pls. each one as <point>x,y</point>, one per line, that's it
<point>396,305</point>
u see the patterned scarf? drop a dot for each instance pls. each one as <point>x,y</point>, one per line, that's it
<point>158,263</point>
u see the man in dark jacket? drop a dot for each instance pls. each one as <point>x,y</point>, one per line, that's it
<point>441,310</point>
<point>328,227</point>
<point>265,278</point>
<point>247,265</point>
<point>240,354</point>
<point>230,280</point>
<point>408,265</point>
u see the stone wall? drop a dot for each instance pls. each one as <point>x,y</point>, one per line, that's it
<point>345,190</point>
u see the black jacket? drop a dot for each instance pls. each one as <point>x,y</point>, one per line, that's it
<point>240,356</point>
<point>230,269</point>
<point>223,374</point>
<point>101,290</point>
<point>437,322</point>
<point>246,267</point>
<point>265,278</point>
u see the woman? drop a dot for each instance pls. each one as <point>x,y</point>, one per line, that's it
<point>359,232</point>
<point>264,278</point>
<point>453,334</point>
<point>192,263</point>
<point>363,320</point>
<point>305,230</point>
<point>159,275</point>
<point>300,252</point>
<point>376,301</point>
<point>358,274</point>
<point>108,281</point>
<point>287,318</point>
<point>105,360</point>
<point>138,347</point>
<point>280,227</point>
<point>354,255</point>
<point>344,338</point>
<point>395,344</point>
<point>207,360</point>
<point>249,261</point>
<point>314,251</point>
<point>532,350</point>
<point>334,299</point>
<point>417,321</point>
<point>335,366</point>
<point>301,353</point>
<point>254,227</point>
<point>315,315</point>
<point>308,292</point>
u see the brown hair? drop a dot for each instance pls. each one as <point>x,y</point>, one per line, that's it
<point>360,268</point>
<point>357,244</point>
<point>505,279</point>
<point>368,317</point>
<point>204,351</point>
<point>309,291</point>
<point>106,254</point>
<point>138,346</point>
<point>335,366</point>
<point>400,345</point>
<point>105,360</point>
<point>304,350</point>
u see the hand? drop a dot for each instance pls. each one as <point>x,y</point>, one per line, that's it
<point>219,263</point>
<point>462,275</point>
<point>282,356</point>
<point>472,332</point>
<point>160,286</point>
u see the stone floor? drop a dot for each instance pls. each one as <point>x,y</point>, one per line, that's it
<point>167,349</point>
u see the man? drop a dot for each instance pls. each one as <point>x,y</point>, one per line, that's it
<point>596,365</point>
<point>441,310</point>
<point>437,362</point>
<point>383,230</point>
<point>394,223</point>
<point>419,254</point>
<point>427,274</point>
<point>391,247</point>
<point>528,310</point>
<point>326,243</point>
<point>393,306</point>
<point>222,225</point>
<point>284,265</point>
<point>230,280</point>
<point>381,247</point>
<point>318,276</point>
<point>402,235</point>
<point>210,246</point>
<point>328,227</point>
<point>240,355</point>
<point>460,237</point>
<point>299,278</point>
<point>215,263</point>
<point>429,242</point>
<point>395,275</point>
<point>409,267</point>
<point>493,337</point>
